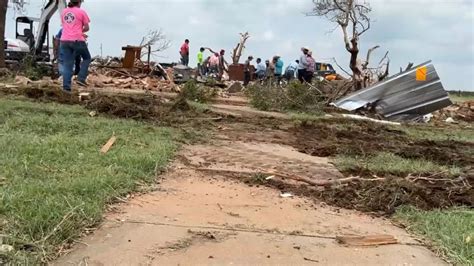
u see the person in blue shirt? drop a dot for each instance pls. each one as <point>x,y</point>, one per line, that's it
<point>278,68</point>
<point>261,69</point>
<point>60,57</point>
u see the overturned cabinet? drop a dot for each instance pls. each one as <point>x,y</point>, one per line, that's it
<point>406,96</point>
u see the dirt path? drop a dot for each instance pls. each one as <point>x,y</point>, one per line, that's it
<point>202,217</point>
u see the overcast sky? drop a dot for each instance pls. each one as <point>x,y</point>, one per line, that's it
<point>412,30</point>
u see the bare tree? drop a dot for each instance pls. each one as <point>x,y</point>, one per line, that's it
<point>156,41</point>
<point>237,52</point>
<point>352,16</point>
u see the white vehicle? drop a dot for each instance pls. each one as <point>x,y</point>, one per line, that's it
<point>26,42</point>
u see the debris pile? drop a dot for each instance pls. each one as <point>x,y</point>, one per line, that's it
<point>107,72</point>
<point>458,112</point>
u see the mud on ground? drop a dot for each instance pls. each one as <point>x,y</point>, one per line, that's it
<point>332,137</point>
<point>323,138</point>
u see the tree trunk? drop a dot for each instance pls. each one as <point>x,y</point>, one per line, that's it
<point>357,74</point>
<point>3,15</point>
<point>237,53</point>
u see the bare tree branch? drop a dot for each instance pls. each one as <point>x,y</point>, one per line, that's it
<point>369,52</point>
<point>157,40</point>
<point>340,67</point>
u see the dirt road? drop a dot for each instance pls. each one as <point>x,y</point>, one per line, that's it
<point>202,215</point>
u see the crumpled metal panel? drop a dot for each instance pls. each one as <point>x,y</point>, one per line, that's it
<point>405,96</point>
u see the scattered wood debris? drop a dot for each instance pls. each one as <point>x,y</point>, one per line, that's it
<point>108,145</point>
<point>458,112</point>
<point>373,240</point>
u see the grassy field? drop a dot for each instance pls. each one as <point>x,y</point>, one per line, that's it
<point>398,165</point>
<point>451,232</point>
<point>54,182</point>
<point>459,97</point>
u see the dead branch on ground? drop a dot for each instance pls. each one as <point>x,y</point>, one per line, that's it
<point>317,183</point>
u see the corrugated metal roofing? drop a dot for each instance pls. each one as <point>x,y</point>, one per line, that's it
<point>408,95</point>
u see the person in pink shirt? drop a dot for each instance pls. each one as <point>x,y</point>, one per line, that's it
<point>184,52</point>
<point>214,63</point>
<point>75,23</point>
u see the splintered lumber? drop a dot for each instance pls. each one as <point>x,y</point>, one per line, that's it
<point>374,240</point>
<point>108,145</point>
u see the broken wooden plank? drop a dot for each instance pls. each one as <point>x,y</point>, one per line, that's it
<point>108,145</point>
<point>373,240</point>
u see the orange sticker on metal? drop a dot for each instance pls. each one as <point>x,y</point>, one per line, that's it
<point>421,73</point>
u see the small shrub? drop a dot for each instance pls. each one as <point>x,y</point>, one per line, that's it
<point>30,69</point>
<point>197,93</point>
<point>294,97</point>
<point>264,98</point>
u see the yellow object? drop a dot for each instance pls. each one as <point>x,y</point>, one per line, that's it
<point>421,73</point>
<point>331,77</point>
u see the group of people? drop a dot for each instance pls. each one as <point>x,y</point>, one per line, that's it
<point>73,50</point>
<point>303,68</point>
<point>215,64</point>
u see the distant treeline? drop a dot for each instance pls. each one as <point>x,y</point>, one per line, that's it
<point>462,93</point>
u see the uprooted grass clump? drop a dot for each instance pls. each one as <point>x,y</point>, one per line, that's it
<point>342,137</point>
<point>196,92</point>
<point>426,172</point>
<point>54,181</point>
<point>293,97</point>
<point>145,106</point>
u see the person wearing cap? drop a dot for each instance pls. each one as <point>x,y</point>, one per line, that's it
<point>303,65</point>
<point>278,68</point>
<point>59,57</point>
<point>311,67</point>
<point>247,75</point>
<point>75,23</point>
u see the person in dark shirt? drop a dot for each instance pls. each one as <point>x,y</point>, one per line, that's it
<point>247,75</point>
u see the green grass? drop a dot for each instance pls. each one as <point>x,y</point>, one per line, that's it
<point>51,169</point>
<point>459,97</point>
<point>200,107</point>
<point>301,117</point>
<point>451,232</point>
<point>385,162</point>
<point>453,132</point>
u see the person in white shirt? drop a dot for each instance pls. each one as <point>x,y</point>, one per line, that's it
<point>291,70</point>
<point>303,65</point>
<point>261,69</point>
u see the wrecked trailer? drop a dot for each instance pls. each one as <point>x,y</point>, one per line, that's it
<point>405,96</point>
